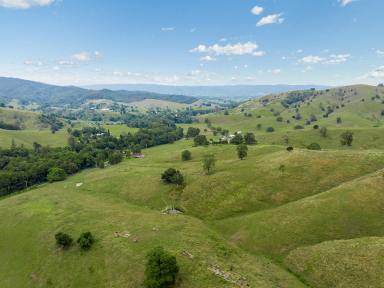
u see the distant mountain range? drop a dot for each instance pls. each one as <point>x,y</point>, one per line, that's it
<point>233,92</point>
<point>34,92</point>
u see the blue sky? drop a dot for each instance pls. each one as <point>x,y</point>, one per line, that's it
<point>193,42</point>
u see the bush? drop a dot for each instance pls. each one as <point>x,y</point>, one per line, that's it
<point>315,127</point>
<point>186,155</point>
<point>346,138</point>
<point>289,148</point>
<point>270,129</point>
<point>314,146</point>
<point>161,269</point>
<point>115,158</point>
<point>172,176</point>
<point>298,127</point>
<point>63,240</point>
<point>86,240</point>
<point>56,174</point>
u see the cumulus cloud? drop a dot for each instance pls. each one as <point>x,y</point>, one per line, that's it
<point>345,2</point>
<point>271,19</point>
<point>257,10</point>
<point>24,4</point>
<point>380,52</point>
<point>239,49</point>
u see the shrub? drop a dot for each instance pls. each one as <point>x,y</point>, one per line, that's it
<point>314,146</point>
<point>63,240</point>
<point>115,158</point>
<point>161,269</point>
<point>172,176</point>
<point>298,127</point>
<point>346,138</point>
<point>86,240</point>
<point>270,129</point>
<point>289,148</point>
<point>56,174</point>
<point>315,127</point>
<point>186,155</point>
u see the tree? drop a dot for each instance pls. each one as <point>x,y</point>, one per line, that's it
<point>86,240</point>
<point>200,140</point>
<point>172,176</point>
<point>161,269</point>
<point>63,240</point>
<point>249,138</point>
<point>209,163</point>
<point>186,155</point>
<point>289,148</point>
<point>324,132</point>
<point>338,120</point>
<point>115,158</point>
<point>56,174</point>
<point>346,138</point>
<point>238,139</point>
<point>192,132</point>
<point>242,151</point>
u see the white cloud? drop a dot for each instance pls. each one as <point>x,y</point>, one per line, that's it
<point>257,10</point>
<point>33,63</point>
<point>270,19</point>
<point>248,48</point>
<point>311,59</point>
<point>332,59</point>
<point>337,59</point>
<point>86,56</point>
<point>299,51</point>
<point>376,73</point>
<point>208,58</point>
<point>380,52</point>
<point>275,71</point>
<point>24,4</point>
<point>168,29</point>
<point>345,2</point>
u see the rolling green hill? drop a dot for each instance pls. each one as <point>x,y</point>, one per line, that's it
<point>293,115</point>
<point>27,92</point>
<point>303,218</point>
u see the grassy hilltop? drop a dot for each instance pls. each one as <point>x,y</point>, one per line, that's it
<point>315,223</point>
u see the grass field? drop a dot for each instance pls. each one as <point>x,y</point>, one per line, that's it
<point>344,263</point>
<point>276,219</point>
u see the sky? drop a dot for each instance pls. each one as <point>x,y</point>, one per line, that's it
<point>193,42</point>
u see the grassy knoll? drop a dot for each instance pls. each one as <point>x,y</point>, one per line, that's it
<point>29,221</point>
<point>27,137</point>
<point>344,263</point>
<point>360,109</point>
<point>353,209</point>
